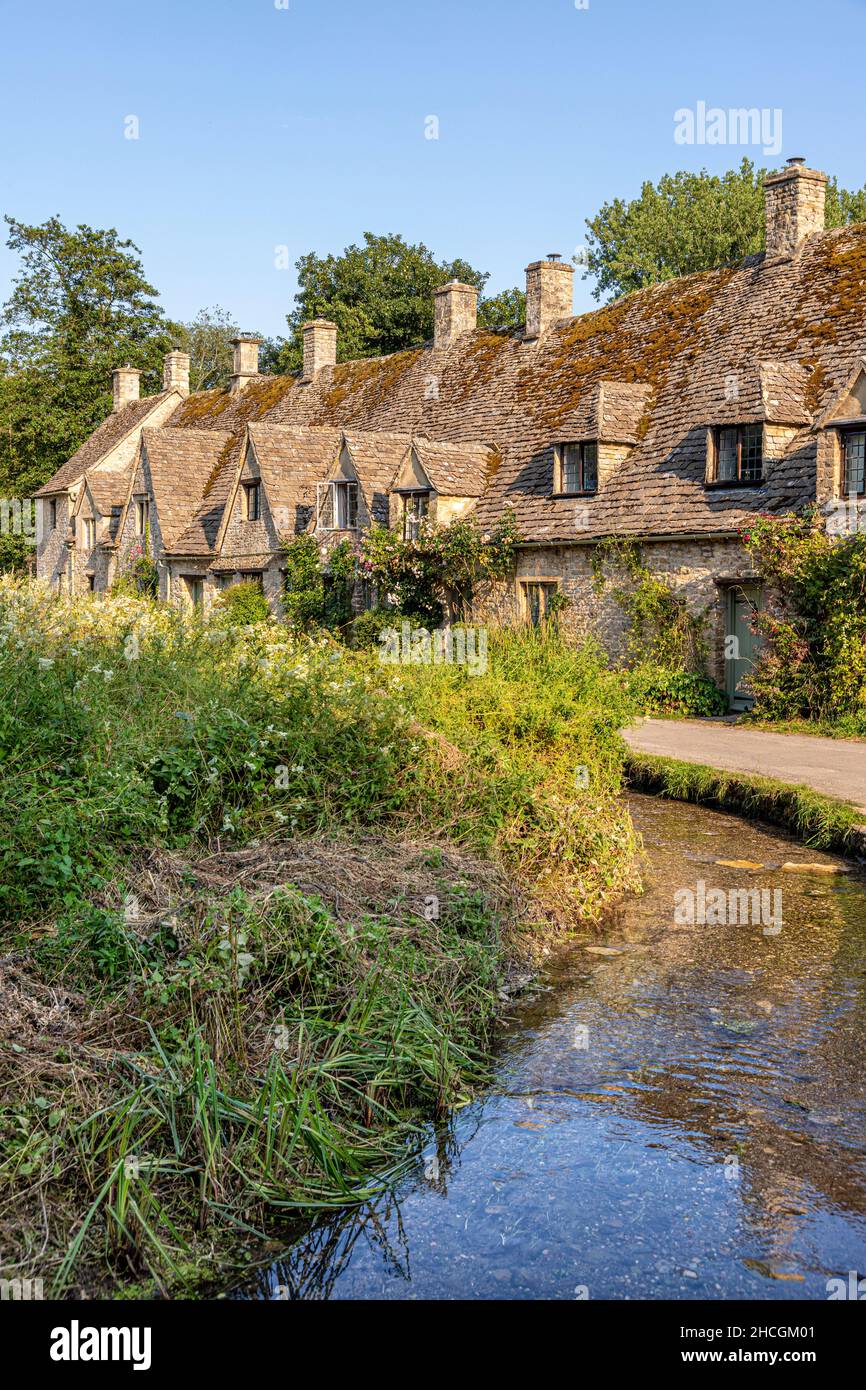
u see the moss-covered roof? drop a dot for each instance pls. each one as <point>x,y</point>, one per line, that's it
<point>654,366</point>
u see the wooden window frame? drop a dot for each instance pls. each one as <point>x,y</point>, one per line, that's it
<point>252,504</point>
<point>582,446</point>
<point>546,581</point>
<point>845,435</point>
<point>716,436</point>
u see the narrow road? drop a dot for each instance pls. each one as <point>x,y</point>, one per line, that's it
<point>836,767</point>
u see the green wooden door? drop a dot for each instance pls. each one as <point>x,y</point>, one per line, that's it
<point>742,645</point>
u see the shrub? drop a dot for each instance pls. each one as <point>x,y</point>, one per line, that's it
<point>368,627</point>
<point>656,690</point>
<point>243,603</point>
<point>813,664</point>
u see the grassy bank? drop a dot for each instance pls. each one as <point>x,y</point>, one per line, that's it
<point>817,820</point>
<point>259,901</point>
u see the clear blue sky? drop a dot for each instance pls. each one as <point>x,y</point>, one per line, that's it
<point>305,126</point>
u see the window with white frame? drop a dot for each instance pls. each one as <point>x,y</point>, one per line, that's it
<point>416,509</point>
<point>338,506</point>
<point>142,511</point>
<point>89,533</point>
<point>854,457</point>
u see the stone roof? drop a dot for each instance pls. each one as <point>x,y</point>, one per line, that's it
<point>108,488</point>
<point>100,443</point>
<point>292,461</point>
<point>792,327</point>
<point>377,458</point>
<point>610,412</point>
<point>456,470</point>
<point>183,465</point>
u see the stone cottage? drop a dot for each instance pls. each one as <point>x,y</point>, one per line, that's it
<point>671,416</point>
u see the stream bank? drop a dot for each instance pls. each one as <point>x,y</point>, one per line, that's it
<point>678,1109</point>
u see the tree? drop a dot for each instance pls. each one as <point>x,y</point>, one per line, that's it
<point>208,340</point>
<point>79,307</point>
<point>689,222</point>
<point>380,295</point>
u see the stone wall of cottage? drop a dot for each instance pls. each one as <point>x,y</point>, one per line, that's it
<point>51,550</point>
<point>698,570</point>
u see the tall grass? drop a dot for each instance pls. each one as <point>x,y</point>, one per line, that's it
<point>247,1055</point>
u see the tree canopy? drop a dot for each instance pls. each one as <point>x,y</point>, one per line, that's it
<point>688,222</point>
<point>380,295</point>
<point>79,307</point>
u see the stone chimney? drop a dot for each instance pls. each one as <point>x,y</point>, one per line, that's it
<point>175,372</point>
<point>793,206</point>
<point>549,294</point>
<point>456,309</point>
<point>125,385</point>
<point>246,361</point>
<point>320,346</point>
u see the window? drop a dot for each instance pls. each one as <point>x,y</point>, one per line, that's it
<point>854,452</point>
<point>252,577</point>
<point>738,455</point>
<point>338,506</point>
<point>91,582</point>
<point>416,509</point>
<point>194,589</point>
<point>89,533</point>
<point>537,594</point>
<point>142,509</point>
<point>577,467</point>
<point>252,502</point>
<point>52,513</point>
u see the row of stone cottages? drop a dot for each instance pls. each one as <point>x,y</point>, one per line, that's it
<point>671,416</point>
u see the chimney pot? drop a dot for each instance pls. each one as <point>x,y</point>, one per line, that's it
<point>125,386</point>
<point>549,294</point>
<point>320,346</point>
<point>455,308</point>
<point>246,360</point>
<point>175,372</point>
<point>793,206</point>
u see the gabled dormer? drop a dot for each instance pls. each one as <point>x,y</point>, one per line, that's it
<point>339,500</point>
<point>753,415</point>
<point>842,442</point>
<point>600,437</point>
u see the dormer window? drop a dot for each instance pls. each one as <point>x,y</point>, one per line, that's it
<point>252,502</point>
<point>576,467</point>
<point>854,456</point>
<point>416,509</point>
<point>141,515</point>
<point>737,455</point>
<point>338,506</point>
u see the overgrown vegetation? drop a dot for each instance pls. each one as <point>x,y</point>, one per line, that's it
<point>813,663</point>
<point>254,935</point>
<point>666,645</point>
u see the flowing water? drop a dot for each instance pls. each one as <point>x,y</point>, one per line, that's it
<point>681,1114</point>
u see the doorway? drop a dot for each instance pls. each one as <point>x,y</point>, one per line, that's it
<point>742,645</point>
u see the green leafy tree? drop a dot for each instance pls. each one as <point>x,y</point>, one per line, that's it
<point>380,295</point>
<point>208,340</point>
<point>689,222</point>
<point>79,307</point>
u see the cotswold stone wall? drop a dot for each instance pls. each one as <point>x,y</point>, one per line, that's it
<point>696,570</point>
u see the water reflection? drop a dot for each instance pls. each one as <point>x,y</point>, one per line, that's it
<point>680,1117</point>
